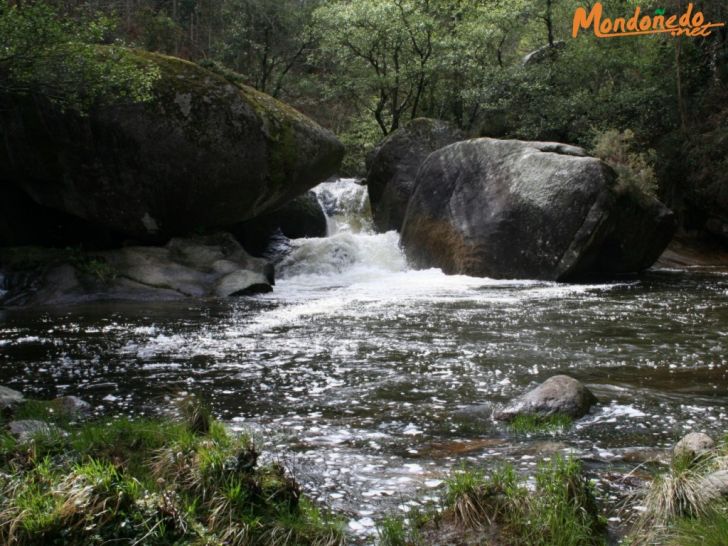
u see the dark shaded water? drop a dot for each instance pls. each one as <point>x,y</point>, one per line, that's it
<point>372,381</point>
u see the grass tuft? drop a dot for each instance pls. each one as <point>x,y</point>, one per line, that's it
<point>476,500</point>
<point>709,530</point>
<point>194,413</point>
<point>502,508</point>
<point>674,495</point>
<point>153,482</point>
<point>531,424</point>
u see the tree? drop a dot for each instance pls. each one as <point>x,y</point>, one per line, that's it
<point>44,53</point>
<point>265,40</point>
<point>382,51</point>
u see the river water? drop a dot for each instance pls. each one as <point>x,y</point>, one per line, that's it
<point>371,381</point>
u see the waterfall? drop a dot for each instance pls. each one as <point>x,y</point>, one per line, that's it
<point>352,247</point>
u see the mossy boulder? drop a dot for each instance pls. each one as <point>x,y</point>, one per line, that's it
<point>204,152</point>
<point>392,167</point>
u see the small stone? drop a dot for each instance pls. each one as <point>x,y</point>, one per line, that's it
<point>9,398</point>
<point>27,429</point>
<point>72,406</point>
<point>558,395</point>
<point>693,445</point>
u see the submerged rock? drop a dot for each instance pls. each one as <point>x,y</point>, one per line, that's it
<point>71,406</point>
<point>393,165</point>
<point>538,210</point>
<point>10,398</point>
<point>214,265</point>
<point>204,153</point>
<point>693,445</point>
<point>558,395</point>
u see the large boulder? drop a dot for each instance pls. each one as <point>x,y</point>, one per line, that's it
<point>558,395</point>
<point>301,217</point>
<point>393,164</point>
<point>203,266</point>
<point>715,484</point>
<point>204,152</point>
<point>24,222</point>
<point>539,210</point>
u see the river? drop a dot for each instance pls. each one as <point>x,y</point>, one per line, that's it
<point>371,381</point>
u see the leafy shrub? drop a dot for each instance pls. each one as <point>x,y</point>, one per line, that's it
<point>634,170</point>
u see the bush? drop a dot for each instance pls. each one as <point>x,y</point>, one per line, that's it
<point>634,170</point>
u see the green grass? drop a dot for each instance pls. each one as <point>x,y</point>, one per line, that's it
<point>501,508</point>
<point>677,502</point>
<point>393,531</point>
<point>531,424</point>
<point>151,481</point>
<point>563,511</point>
<point>710,530</point>
<point>476,500</point>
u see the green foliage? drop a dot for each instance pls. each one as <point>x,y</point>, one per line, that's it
<point>195,414</point>
<point>393,531</point>
<point>95,267</point>
<point>529,424</point>
<point>360,138</point>
<point>634,170</point>
<point>59,58</point>
<point>476,500</point>
<point>564,510</point>
<point>152,482</point>
<point>678,498</point>
<point>500,508</point>
<point>710,530</point>
<point>382,51</point>
<point>264,40</point>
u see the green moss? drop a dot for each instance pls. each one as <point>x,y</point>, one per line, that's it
<point>210,88</point>
<point>530,424</point>
<point>29,258</point>
<point>95,267</point>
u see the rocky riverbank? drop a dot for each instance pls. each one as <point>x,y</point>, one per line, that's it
<point>180,476</point>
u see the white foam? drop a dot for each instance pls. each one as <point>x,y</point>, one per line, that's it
<point>612,413</point>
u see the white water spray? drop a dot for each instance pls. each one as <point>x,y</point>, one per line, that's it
<point>352,250</point>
